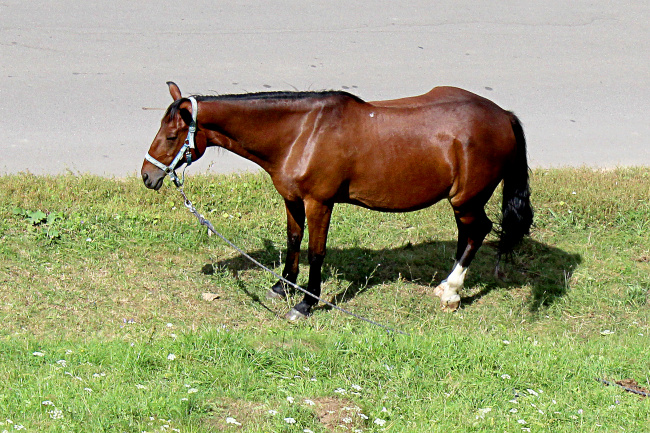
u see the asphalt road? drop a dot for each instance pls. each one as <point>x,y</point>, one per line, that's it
<point>82,86</point>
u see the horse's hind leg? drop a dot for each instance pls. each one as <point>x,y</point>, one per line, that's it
<point>473,226</point>
<point>295,229</point>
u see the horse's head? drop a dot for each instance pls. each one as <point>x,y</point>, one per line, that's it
<point>172,146</point>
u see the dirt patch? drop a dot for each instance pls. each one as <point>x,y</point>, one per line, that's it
<point>333,414</point>
<point>339,414</point>
<point>229,413</point>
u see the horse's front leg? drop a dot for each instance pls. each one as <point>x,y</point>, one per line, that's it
<point>295,229</point>
<point>318,221</point>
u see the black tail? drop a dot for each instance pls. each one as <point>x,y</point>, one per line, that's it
<point>516,211</point>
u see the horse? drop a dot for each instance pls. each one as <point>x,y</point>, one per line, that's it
<point>327,147</point>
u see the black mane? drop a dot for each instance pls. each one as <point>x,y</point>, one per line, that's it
<point>266,96</point>
<point>269,96</point>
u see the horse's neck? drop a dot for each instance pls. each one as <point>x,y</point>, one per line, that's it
<point>261,132</point>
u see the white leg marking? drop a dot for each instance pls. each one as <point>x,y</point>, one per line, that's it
<point>448,289</point>
<point>457,277</point>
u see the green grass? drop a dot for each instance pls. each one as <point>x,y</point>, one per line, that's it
<point>102,280</point>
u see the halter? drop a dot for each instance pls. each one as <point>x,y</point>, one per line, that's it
<point>184,152</point>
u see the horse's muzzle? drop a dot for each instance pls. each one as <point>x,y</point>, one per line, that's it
<point>152,182</point>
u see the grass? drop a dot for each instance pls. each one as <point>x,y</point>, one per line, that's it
<point>104,327</point>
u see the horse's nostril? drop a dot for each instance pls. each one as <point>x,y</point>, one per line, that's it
<point>145,177</point>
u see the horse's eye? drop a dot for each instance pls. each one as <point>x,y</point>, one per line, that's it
<point>172,138</point>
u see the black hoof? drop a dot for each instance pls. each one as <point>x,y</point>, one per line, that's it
<point>294,315</point>
<point>301,311</point>
<point>272,294</point>
<point>277,291</point>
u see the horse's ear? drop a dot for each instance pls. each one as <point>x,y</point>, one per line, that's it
<point>185,110</point>
<point>174,90</point>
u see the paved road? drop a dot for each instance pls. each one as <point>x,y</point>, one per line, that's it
<point>82,85</point>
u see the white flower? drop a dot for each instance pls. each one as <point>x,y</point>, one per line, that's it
<point>273,412</point>
<point>383,409</point>
<point>521,421</point>
<point>506,376</point>
<point>309,402</point>
<point>137,385</point>
<point>380,422</point>
<point>231,420</point>
<point>363,416</point>
<point>88,390</point>
<point>47,403</point>
<point>506,342</point>
<point>171,357</point>
<point>340,391</point>
<point>513,410</point>
<point>483,412</point>
<point>38,354</point>
<point>606,332</point>
<point>308,431</point>
<point>532,392</point>
<point>306,369</point>
<point>192,390</point>
<point>290,420</point>
<point>54,414</point>
<point>290,399</point>
<point>356,387</point>
<point>169,325</point>
<point>347,420</point>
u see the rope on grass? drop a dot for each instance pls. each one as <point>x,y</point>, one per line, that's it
<point>626,388</point>
<point>210,227</point>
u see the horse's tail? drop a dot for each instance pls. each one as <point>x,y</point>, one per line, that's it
<point>516,210</point>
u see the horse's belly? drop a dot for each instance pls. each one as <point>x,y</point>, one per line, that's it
<point>400,190</point>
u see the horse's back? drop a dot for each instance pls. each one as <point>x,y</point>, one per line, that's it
<point>411,153</point>
<point>437,95</point>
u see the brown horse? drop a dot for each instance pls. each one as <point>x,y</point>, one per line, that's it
<point>322,148</point>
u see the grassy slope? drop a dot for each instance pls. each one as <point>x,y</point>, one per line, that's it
<point>110,289</point>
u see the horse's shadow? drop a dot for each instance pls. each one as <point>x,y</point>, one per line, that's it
<point>547,270</point>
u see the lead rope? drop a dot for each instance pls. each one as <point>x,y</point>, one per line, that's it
<point>626,388</point>
<point>208,224</point>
